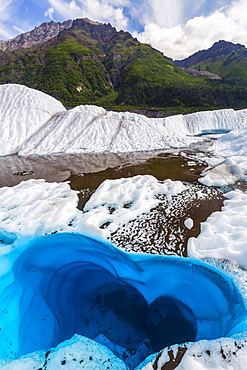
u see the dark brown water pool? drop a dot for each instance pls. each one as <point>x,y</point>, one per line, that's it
<point>161,231</point>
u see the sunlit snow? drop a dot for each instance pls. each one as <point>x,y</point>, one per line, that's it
<point>23,112</point>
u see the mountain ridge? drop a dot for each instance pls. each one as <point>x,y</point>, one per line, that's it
<point>224,58</point>
<point>40,34</point>
<point>85,62</point>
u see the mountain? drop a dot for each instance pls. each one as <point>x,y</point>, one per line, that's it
<point>85,62</point>
<point>81,61</point>
<point>225,59</point>
<point>40,34</point>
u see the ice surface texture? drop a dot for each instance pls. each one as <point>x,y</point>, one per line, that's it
<point>33,123</point>
<point>87,129</point>
<point>230,148</point>
<point>224,234</point>
<point>23,111</point>
<point>36,207</point>
<point>66,284</point>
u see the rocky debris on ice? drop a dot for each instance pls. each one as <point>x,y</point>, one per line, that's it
<point>227,354</point>
<point>36,207</point>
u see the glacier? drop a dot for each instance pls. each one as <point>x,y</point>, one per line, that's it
<point>64,284</point>
<point>35,208</point>
<point>35,125</point>
<point>23,112</point>
<point>87,129</point>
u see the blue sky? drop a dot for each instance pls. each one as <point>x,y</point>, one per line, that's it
<point>176,27</point>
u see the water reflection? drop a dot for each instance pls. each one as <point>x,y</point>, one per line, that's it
<point>161,231</point>
<point>162,166</point>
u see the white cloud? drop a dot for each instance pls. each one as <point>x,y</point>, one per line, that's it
<point>98,10</point>
<point>49,12</point>
<point>228,23</point>
<point>18,29</point>
<point>164,13</point>
<point>7,8</point>
<point>5,33</point>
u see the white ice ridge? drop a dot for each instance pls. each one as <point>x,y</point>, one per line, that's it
<point>86,129</point>
<point>33,123</point>
<point>224,234</point>
<point>76,353</point>
<point>23,111</point>
<point>231,166</point>
<point>35,207</point>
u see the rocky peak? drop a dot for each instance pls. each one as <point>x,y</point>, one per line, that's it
<point>38,35</point>
<point>100,32</point>
<point>48,30</point>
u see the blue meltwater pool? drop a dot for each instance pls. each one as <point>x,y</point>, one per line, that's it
<point>66,284</point>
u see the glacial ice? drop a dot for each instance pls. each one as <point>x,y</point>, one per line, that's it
<point>34,123</point>
<point>223,354</point>
<point>76,353</point>
<point>232,160</point>
<point>36,207</point>
<point>64,284</point>
<point>224,234</point>
<point>86,129</point>
<point>119,201</point>
<point>23,112</point>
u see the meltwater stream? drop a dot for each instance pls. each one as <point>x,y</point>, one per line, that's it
<point>135,304</point>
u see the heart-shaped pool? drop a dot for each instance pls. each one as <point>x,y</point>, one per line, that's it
<point>135,304</point>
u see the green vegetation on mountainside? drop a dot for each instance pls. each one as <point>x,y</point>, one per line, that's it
<point>225,59</point>
<point>95,64</point>
<point>68,71</point>
<point>229,67</point>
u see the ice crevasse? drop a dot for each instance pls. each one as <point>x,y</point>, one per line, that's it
<point>64,284</point>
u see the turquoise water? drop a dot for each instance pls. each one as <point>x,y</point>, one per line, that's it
<point>64,284</point>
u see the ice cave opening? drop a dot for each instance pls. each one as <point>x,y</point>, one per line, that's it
<point>135,304</point>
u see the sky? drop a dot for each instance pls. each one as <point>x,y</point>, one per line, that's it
<point>178,28</point>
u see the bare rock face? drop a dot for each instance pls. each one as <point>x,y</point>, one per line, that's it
<point>38,35</point>
<point>202,74</point>
<point>48,30</point>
